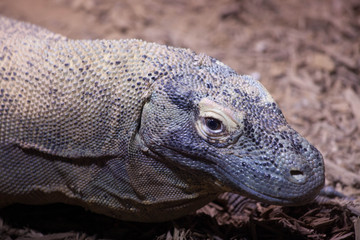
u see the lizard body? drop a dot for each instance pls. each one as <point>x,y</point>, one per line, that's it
<point>139,131</point>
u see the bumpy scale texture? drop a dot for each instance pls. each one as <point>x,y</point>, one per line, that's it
<point>139,131</point>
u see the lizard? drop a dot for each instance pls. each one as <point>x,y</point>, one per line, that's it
<point>139,131</point>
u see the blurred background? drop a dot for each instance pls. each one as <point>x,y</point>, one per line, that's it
<point>306,53</point>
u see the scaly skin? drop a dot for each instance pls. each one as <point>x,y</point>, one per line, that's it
<point>139,131</point>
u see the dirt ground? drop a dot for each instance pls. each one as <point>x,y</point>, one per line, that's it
<point>306,53</point>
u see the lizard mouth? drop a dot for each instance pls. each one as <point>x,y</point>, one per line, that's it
<point>296,188</point>
<point>273,198</point>
<point>297,185</point>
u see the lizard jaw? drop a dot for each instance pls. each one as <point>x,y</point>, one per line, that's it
<point>266,198</point>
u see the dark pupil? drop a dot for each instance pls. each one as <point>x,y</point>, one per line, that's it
<point>213,124</point>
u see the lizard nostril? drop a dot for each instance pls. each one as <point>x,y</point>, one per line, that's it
<point>298,175</point>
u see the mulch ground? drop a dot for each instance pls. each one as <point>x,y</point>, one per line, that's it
<point>306,53</point>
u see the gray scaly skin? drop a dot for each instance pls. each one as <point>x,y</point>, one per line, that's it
<point>139,131</point>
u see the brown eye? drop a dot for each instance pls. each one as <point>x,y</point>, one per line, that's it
<point>216,123</point>
<point>213,124</point>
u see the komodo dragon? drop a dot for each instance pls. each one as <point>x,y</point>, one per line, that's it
<point>139,131</point>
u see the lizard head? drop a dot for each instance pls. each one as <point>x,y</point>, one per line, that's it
<point>227,130</point>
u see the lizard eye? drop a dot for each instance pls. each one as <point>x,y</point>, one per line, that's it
<point>215,122</point>
<point>213,125</point>
<point>211,128</point>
